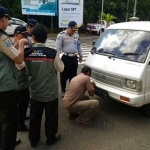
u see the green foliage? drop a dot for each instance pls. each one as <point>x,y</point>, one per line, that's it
<point>108,17</point>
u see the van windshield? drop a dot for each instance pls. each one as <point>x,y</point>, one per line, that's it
<point>124,44</point>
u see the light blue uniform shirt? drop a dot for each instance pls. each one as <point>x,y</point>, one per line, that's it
<point>68,44</point>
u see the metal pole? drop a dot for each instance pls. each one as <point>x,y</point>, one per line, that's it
<point>1,135</point>
<point>127,10</point>
<point>27,17</point>
<point>51,24</point>
<point>102,14</point>
<point>135,3</point>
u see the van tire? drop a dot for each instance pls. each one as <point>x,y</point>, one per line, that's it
<point>147,109</point>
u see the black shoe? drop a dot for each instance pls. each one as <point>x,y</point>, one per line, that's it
<point>27,117</point>
<point>53,141</point>
<point>18,141</point>
<point>23,128</point>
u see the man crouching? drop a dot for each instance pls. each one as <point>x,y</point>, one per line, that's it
<point>76,102</point>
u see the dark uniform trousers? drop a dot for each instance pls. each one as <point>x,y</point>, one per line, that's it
<point>23,97</point>
<point>70,70</point>
<point>51,120</point>
<point>8,120</point>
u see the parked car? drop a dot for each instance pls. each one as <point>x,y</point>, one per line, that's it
<point>98,27</point>
<point>120,62</point>
<point>12,24</point>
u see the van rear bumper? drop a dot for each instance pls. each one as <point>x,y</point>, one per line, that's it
<point>135,100</point>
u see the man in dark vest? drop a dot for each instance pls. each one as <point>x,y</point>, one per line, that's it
<point>42,64</point>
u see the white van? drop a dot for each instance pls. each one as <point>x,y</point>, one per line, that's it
<point>120,63</point>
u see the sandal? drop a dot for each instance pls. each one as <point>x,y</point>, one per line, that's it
<point>87,123</point>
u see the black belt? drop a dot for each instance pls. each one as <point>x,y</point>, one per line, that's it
<point>71,55</point>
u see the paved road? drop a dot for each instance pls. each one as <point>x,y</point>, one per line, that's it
<point>116,127</point>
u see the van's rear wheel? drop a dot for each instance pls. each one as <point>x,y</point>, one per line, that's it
<point>147,109</point>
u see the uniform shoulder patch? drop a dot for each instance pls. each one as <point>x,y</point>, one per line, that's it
<point>8,42</point>
<point>58,36</point>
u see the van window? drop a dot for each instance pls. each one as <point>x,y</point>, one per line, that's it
<point>124,44</point>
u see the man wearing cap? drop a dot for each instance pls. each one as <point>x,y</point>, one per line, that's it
<point>9,55</point>
<point>23,95</point>
<point>30,25</point>
<point>68,42</point>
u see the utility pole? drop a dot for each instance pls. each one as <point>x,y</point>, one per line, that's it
<point>51,24</point>
<point>127,11</point>
<point>134,13</point>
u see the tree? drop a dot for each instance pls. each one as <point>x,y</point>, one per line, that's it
<point>92,10</point>
<point>108,17</point>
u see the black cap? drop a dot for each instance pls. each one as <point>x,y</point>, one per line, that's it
<point>21,30</point>
<point>73,25</point>
<point>4,12</point>
<point>32,22</point>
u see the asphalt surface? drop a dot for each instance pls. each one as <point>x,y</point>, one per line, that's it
<point>116,127</point>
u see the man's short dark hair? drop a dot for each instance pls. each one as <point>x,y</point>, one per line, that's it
<point>86,69</point>
<point>40,33</point>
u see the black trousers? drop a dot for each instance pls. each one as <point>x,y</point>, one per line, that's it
<point>51,120</point>
<point>70,70</point>
<point>23,97</point>
<point>8,120</point>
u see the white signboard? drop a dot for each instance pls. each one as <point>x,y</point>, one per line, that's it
<point>70,10</point>
<point>39,7</point>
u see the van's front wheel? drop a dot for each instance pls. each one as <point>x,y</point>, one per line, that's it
<point>147,109</point>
